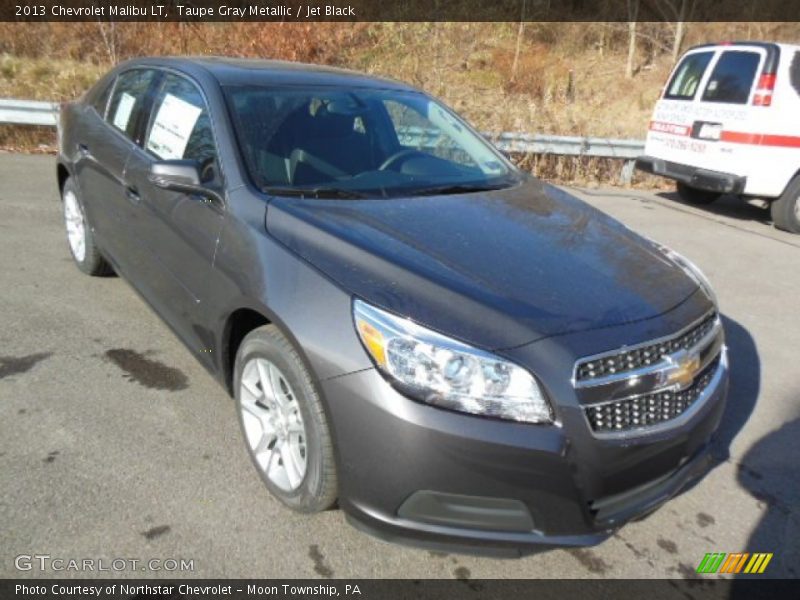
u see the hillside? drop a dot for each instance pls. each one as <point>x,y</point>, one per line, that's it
<point>560,78</point>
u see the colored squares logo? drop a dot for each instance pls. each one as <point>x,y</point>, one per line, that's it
<point>737,562</point>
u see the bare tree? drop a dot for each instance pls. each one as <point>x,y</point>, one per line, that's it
<point>677,12</point>
<point>633,11</point>
<point>520,31</point>
<point>108,31</point>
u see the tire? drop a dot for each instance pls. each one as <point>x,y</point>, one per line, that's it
<point>786,209</point>
<point>695,196</point>
<point>270,426</point>
<point>80,238</point>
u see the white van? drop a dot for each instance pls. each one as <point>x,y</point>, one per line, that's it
<point>728,122</point>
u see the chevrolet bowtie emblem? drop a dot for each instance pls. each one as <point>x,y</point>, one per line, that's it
<point>682,370</point>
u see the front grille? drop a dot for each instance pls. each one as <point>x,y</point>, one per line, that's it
<point>642,356</point>
<point>650,409</point>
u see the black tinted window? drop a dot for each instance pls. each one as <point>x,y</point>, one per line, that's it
<point>127,101</point>
<point>683,85</point>
<point>732,77</point>
<point>180,126</point>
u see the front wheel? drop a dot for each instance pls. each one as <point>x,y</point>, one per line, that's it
<point>283,421</point>
<point>84,252</point>
<point>786,209</point>
<point>695,196</point>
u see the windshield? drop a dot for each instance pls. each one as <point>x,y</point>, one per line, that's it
<point>359,143</point>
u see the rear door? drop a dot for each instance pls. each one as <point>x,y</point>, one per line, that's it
<point>710,93</point>
<point>104,146</point>
<point>178,231</point>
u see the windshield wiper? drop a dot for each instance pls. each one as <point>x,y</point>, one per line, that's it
<point>456,189</point>
<point>317,192</point>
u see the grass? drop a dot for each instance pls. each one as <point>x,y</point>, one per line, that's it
<point>45,79</point>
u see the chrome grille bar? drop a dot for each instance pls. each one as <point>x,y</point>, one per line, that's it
<point>626,397</point>
<point>632,358</point>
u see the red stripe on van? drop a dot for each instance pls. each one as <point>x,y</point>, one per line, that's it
<point>739,137</point>
<point>732,137</point>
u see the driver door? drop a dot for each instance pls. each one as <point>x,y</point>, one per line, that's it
<point>178,231</point>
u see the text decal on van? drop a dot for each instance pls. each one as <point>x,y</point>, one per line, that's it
<point>733,137</point>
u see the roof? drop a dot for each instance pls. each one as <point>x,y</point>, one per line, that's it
<point>241,71</point>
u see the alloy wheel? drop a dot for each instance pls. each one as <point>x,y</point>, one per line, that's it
<point>273,424</point>
<point>76,225</point>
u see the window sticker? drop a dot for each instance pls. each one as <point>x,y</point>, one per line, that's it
<point>172,127</point>
<point>124,109</point>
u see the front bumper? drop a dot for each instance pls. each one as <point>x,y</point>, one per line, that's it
<point>416,474</point>
<point>701,179</point>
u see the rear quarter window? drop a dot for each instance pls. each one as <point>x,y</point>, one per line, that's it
<point>101,98</point>
<point>732,77</point>
<point>687,77</point>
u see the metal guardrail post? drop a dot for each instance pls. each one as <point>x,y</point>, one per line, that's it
<point>626,174</point>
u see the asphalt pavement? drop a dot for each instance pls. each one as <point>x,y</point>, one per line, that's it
<point>116,444</point>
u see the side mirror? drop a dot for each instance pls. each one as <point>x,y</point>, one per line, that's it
<point>180,176</point>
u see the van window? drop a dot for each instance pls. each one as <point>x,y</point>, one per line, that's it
<point>687,76</point>
<point>732,77</point>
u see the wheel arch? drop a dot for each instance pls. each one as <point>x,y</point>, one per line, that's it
<point>62,174</point>
<point>239,323</point>
<point>791,180</point>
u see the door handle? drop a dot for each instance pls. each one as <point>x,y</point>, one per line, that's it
<point>132,194</point>
<point>83,150</point>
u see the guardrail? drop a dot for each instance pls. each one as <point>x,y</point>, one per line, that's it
<point>30,112</point>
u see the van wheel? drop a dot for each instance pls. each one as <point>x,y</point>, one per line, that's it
<point>695,196</point>
<point>284,423</point>
<point>786,209</point>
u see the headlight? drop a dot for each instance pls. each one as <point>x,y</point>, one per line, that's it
<point>437,370</point>
<point>692,270</point>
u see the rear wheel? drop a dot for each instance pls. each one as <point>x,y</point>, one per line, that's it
<point>283,421</point>
<point>79,234</point>
<point>695,196</point>
<point>786,209</point>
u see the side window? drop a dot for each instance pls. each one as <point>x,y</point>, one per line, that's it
<point>732,77</point>
<point>127,101</point>
<point>683,85</point>
<point>101,99</point>
<point>180,126</point>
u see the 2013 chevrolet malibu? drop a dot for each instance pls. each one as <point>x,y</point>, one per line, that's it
<point>458,353</point>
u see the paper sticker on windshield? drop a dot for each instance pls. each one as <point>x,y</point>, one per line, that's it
<point>124,109</point>
<point>172,127</point>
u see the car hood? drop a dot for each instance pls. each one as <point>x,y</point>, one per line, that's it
<point>495,269</point>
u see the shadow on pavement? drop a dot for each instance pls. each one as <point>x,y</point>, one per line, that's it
<point>727,206</point>
<point>745,384</point>
<point>769,472</point>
